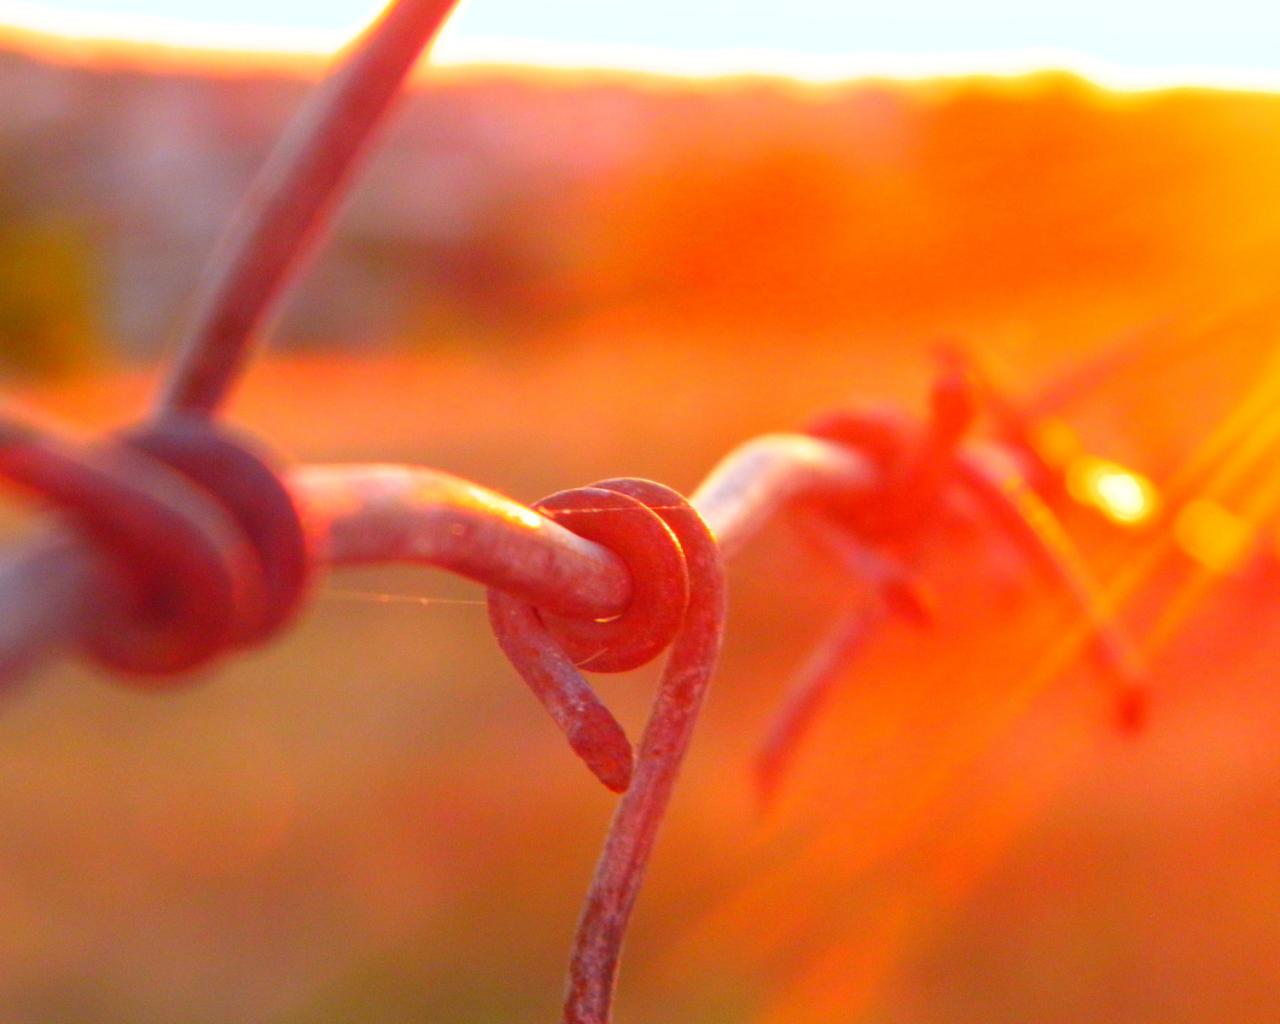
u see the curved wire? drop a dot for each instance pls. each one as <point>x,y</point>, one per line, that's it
<point>620,870</point>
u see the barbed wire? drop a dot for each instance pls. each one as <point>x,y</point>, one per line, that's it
<point>181,541</point>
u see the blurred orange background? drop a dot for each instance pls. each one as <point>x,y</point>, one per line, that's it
<point>547,279</point>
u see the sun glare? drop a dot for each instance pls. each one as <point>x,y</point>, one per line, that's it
<point>1122,495</point>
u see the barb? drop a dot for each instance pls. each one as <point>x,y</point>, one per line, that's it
<point>920,466</point>
<point>920,462</point>
<point>291,200</point>
<point>620,871</point>
<point>896,586</point>
<point>810,689</point>
<point>176,563</point>
<point>896,592</point>
<point>204,548</point>
<point>987,475</point>
<point>545,650</point>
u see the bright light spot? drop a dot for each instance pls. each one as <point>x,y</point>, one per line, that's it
<point>1212,535</point>
<point>1120,494</point>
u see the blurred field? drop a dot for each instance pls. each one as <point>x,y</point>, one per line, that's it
<point>372,821</point>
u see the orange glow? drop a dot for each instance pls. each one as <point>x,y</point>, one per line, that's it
<point>632,283</point>
<point>214,813</point>
<point>1212,535</point>
<point>1056,442</point>
<point>1122,495</point>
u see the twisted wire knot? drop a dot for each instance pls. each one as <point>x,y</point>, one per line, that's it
<point>923,467</point>
<point>678,600</point>
<point>245,479</point>
<point>547,649</point>
<point>888,438</point>
<point>915,458</point>
<point>204,547</point>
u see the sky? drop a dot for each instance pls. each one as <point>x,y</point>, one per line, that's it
<point>1228,41</point>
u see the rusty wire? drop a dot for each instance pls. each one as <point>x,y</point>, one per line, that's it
<point>181,542</point>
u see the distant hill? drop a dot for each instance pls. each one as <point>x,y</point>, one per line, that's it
<point>504,205</point>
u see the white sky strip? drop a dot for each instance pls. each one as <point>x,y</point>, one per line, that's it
<point>1134,45</point>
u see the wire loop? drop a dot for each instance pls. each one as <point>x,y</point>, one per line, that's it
<point>204,547</point>
<point>547,649</point>
<point>659,579</point>
<point>242,476</point>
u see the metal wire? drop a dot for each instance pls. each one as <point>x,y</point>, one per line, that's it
<point>290,202</point>
<point>57,590</point>
<point>384,514</point>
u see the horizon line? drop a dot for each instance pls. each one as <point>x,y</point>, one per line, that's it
<point>147,40</point>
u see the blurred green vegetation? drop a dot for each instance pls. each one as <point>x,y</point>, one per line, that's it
<point>47,297</point>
